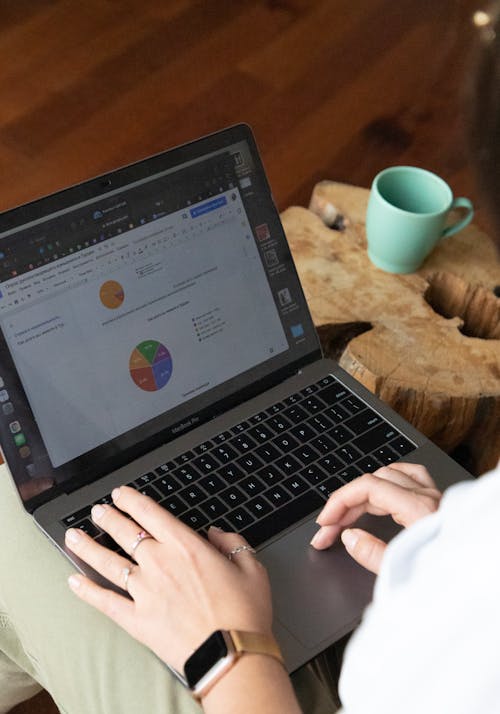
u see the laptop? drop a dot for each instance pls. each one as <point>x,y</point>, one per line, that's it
<point>154,333</point>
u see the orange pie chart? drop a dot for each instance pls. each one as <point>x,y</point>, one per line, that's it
<point>111,294</point>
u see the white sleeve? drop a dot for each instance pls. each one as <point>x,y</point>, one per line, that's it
<point>430,640</point>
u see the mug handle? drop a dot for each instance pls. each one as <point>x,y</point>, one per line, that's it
<point>459,203</point>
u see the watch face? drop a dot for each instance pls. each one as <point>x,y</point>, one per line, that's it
<point>205,657</point>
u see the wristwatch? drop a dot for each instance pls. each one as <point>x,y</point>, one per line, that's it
<point>218,654</point>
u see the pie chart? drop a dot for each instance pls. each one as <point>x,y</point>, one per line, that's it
<point>111,294</point>
<point>150,365</point>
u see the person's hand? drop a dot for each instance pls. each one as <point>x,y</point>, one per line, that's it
<point>404,491</point>
<point>183,587</point>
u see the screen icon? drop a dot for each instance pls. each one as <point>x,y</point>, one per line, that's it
<point>19,439</point>
<point>7,408</point>
<point>14,427</point>
<point>4,395</point>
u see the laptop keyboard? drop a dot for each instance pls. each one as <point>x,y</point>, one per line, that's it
<point>266,473</point>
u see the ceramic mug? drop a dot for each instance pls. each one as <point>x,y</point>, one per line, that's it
<point>406,216</point>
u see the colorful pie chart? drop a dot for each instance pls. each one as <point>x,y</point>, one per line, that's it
<point>150,365</point>
<point>111,294</point>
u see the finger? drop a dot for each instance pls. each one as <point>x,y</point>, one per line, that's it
<point>110,565</point>
<point>366,550</point>
<point>118,608</point>
<point>325,537</point>
<point>417,472</point>
<point>234,547</point>
<point>370,494</point>
<point>123,530</point>
<point>149,515</point>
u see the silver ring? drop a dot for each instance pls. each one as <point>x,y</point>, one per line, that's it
<point>126,572</point>
<point>143,535</point>
<point>240,549</point>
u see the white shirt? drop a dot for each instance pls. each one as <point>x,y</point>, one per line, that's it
<point>430,640</point>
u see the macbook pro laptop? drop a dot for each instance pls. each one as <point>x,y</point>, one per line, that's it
<point>154,333</point>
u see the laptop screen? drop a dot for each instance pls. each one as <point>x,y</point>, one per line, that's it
<point>130,316</point>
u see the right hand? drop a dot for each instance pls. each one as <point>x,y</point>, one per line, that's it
<point>404,491</point>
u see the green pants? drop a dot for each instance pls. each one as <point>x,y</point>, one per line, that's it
<point>48,638</point>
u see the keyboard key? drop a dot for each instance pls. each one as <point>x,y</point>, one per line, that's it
<point>353,404</point>
<point>306,454</point>
<point>314,474</point>
<point>250,463</point>
<point>238,428</point>
<point>202,448</point>
<point>240,518</point>
<point>312,405</point>
<point>88,527</point>
<point>150,491</point>
<point>275,409</point>
<point>257,418</point>
<point>76,516</point>
<point>212,484</point>
<point>224,453</point>
<point>336,413</point>
<point>107,542</point>
<point>303,432</point>
<point>311,389</point>
<point>165,468</point>
<point>243,443</point>
<point>329,486</point>
<point>277,496</point>
<point>333,393</point>
<point>105,500</point>
<point>231,473</point>
<point>295,485</point>
<point>174,505</point>
<point>279,423</point>
<point>267,452</point>
<point>402,445</point>
<point>193,495</point>
<point>363,421</point>
<point>293,399</point>
<point>373,439</point>
<point>288,465</point>
<point>214,508</point>
<point>258,506</point>
<point>251,485</point>
<point>233,496</point>
<point>325,381</point>
<point>285,442</point>
<point>295,414</point>
<point>223,525</point>
<point>195,519</point>
<point>323,444</point>
<point>261,433</point>
<point>270,475</point>
<point>184,458</point>
<point>206,463</point>
<point>340,434</point>
<point>146,478</point>
<point>320,423</point>
<point>349,473</point>
<point>222,437</point>
<point>331,463</point>
<point>286,516</point>
<point>386,455</point>
<point>186,474</point>
<point>348,453</point>
<point>167,485</point>
<point>368,464</point>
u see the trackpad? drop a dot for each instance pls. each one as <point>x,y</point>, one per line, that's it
<point>316,594</point>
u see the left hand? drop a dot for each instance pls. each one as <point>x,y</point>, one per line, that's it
<point>182,588</point>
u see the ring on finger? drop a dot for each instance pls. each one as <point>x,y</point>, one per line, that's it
<point>126,573</point>
<point>240,549</point>
<point>143,535</point>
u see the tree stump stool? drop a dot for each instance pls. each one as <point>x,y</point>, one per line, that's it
<point>427,343</point>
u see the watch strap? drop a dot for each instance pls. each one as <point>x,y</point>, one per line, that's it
<point>256,643</point>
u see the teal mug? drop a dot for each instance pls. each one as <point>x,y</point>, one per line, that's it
<point>406,217</point>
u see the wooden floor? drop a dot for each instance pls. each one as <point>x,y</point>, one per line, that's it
<point>334,89</point>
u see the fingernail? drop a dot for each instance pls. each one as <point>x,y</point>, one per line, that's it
<point>72,535</point>
<point>74,582</point>
<point>320,539</point>
<point>349,538</point>
<point>216,528</point>
<point>98,512</point>
<point>115,494</point>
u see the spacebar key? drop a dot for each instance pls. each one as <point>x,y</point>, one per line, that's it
<point>285,516</point>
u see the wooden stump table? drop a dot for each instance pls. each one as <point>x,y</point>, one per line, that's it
<point>427,343</point>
